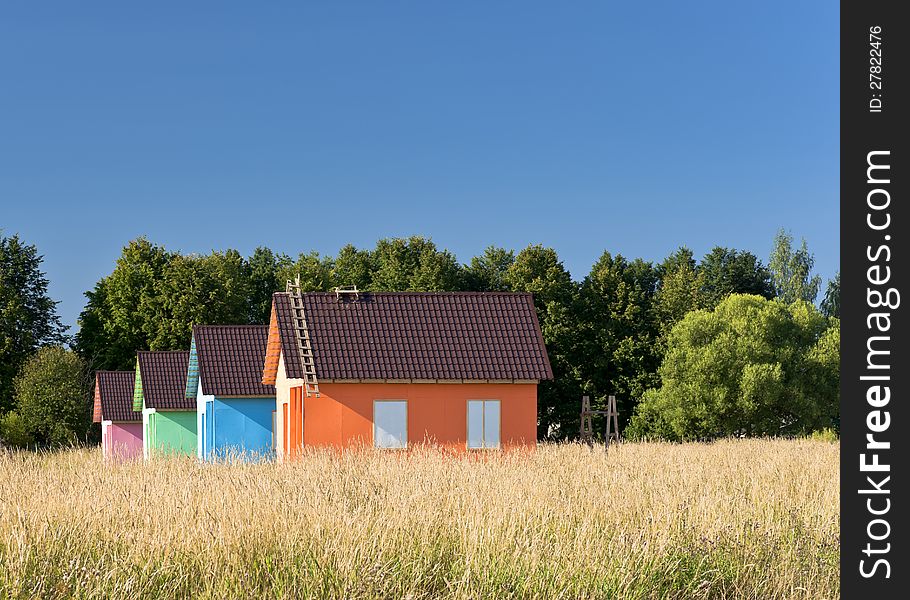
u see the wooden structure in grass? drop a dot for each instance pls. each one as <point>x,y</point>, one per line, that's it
<point>168,417</point>
<point>390,370</point>
<point>587,425</point>
<point>234,410</point>
<point>121,427</point>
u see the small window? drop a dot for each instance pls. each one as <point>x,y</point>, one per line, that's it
<point>390,423</point>
<point>483,423</point>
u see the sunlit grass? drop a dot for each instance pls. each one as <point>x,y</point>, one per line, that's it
<point>735,519</point>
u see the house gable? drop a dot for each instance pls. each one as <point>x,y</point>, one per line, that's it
<point>96,406</point>
<point>138,398</point>
<point>192,372</point>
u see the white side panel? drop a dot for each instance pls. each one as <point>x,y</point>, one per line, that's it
<point>283,387</point>
<point>201,399</point>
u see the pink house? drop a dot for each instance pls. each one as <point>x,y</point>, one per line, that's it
<point>121,426</point>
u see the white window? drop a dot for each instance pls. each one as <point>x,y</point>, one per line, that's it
<point>390,423</point>
<point>483,423</point>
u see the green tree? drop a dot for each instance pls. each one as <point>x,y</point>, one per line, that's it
<point>538,270</point>
<point>13,431</point>
<point>28,317</point>
<point>680,291</point>
<point>113,325</point>
<point>831,303</point>
<point>315,272</point>
<point>153,298</point>
<point>413,265</point>
<point>52,397</point>
<point>211,289</point>
<point>487,272</point>
<point>264,269</point>
<point>791,270</point>
<point>727,271</point>
<point>751,366</point>
<point>618,333</point>
<point>353,267</point>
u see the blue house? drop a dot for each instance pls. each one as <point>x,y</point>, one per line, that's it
<point>234,411</point>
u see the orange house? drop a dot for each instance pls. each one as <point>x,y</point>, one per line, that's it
<point>391,370</point>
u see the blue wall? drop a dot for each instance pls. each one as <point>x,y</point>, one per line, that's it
<point>241,425</point>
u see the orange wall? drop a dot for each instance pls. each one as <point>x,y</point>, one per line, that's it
<point>437,413</point>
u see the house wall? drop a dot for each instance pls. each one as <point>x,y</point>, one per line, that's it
<point>172,431</point>
<point>437,412</point>
<point>123,440</point>
<point>242,425</point>
<point>283,387</point>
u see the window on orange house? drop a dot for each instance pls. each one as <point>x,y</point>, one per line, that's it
<point>483,423</point>
<point>390,423</point>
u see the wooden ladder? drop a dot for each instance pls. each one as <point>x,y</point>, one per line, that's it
<point>302,333</point>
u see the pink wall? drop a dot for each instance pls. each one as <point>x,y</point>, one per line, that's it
<point>123,440</point>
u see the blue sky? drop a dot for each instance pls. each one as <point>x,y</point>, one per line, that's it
<point>586,126</point>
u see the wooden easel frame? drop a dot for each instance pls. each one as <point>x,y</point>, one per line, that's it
<point>587,422</point>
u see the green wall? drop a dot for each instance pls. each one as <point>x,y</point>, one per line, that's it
<point>172,431</point>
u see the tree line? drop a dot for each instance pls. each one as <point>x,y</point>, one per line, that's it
<point>607,333</point>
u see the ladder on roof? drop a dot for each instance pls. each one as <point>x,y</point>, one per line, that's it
<point>302,334</point>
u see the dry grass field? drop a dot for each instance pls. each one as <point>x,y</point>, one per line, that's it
<point>734,519</point>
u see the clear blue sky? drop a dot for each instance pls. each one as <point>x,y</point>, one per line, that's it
<point>620,126</point>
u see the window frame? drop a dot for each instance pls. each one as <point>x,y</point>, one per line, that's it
<point>406,436</point>
<point>483,426</point>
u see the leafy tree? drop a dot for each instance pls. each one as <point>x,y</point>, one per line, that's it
<point>353,267</point>
<point>487,272</point>
<point>680,291</point>
<point>413,265</point>
<point>13,431</point>
<point>264,270</point>
<point>831,303</point>
<point>751,366</point>
<point>52,397</point>
<point>437,272</point>
<point>28,317</point>
<point>153,298</point>
<point>618,333</point>
<point>212,289</point>
<point>538,270</point>
<point>315,271</point>
<point>113,325</point>
<point>791,270</point>
<point>727,271</point>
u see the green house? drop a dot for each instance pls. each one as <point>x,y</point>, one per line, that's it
<point>168,418</point>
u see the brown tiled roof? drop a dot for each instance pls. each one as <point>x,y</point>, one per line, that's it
<point>230,359</point>
<point>417,336</point>
<point>164,379</point>
<point>114,397</point>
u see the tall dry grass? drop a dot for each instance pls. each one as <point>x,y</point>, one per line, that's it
<point>734,519</point>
